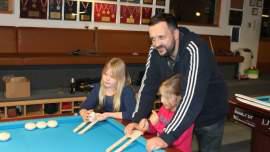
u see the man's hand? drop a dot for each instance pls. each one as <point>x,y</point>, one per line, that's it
<point>143,125</point>
<point>130,127</point>
<point>155,143</point>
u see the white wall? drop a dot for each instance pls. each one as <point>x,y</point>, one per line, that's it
<point>249,35</point>
<point>249,31</point>
<point>15,20</point>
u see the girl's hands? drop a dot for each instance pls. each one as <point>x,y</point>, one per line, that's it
<point>130,127</point>
<point>102,116</point>
<point>155,143</point>
<point>85,114</point>
<point>154,117</point>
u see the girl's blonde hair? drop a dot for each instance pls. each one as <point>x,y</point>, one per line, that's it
<point>171,86</point>
<point>122,77</point>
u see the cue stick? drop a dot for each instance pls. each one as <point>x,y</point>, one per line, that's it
<point>252,99</point>
<point>211,44</point>
<point>135,135</point>
<point>89,126</point>
<point>116,143</point>
<point>80,126</point>
<point>253,104</point>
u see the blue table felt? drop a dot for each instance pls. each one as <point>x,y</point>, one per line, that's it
<point>62,138</point>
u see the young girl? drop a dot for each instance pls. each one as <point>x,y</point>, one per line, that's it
<point>170,92</point>
<point>112,95</point>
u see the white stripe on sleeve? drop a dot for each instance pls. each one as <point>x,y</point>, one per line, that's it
<point>191,85</point>
<point>147,65</point>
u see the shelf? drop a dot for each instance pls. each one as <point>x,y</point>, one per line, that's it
<point>47,59</point>
<point>27,109</point>
<point>20,110</point>
<point>11,112</point>
<point>67,110</point>
<point>34,110</point>
<point>66,105</point>
<point>229,59</point>
<point>2,113</point>
<point>34,107</point>
<point>76,110</point>
<point>77,103</point>
<point>51,108</point>
<point>54,114</point>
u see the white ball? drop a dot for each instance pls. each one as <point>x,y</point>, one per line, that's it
<point>30,126</point>
<point>41,124</point>
<point>92,116</point>
<point>52,123</point>
<point>4,136</point>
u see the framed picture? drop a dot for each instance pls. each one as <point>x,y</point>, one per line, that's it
<point>259,3</point>
<point>5,6</point>
<point>254,11</point>
<point>104,12</point>
<point>252,2</point>
<point>238,4</point>
<point>130,14</point>
<point>55,9</point>
<point>146,15</point>
<point>160,2</point>
<point>147,1</point>
<point>70,10</point>
<point>85,11</point>
<point>235,34</point>
<point>131,1</point>
<point>235,18</point>
<point>159,10</point>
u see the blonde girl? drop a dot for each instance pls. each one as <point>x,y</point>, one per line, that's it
<point>112,97</point>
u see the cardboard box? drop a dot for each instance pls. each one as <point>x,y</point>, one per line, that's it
<point>16,87</point>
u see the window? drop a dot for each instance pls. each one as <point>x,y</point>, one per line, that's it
<point>265,26</point>
<point>196,12</point>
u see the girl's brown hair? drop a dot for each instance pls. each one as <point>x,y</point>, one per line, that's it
<point>171,86</point>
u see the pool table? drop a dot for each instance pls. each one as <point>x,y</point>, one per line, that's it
<point>62,138</point>
<point>257,118</point>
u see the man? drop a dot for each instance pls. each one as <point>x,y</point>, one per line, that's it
<point>204,102</point>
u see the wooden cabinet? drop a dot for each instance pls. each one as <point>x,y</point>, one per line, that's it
<point>255,117</point>
<point>15,110</point>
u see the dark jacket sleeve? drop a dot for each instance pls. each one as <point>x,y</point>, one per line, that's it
<point>92,99</point>
<point>149,86</point>
<point>128,103</point>
<point>194,85</point>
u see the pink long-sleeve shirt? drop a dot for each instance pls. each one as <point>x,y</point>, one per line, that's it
<point>184,142</point>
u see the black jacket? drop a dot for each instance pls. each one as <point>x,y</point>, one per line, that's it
<point>204,92</point>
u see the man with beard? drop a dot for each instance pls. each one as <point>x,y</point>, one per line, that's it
<point>178,50</point>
